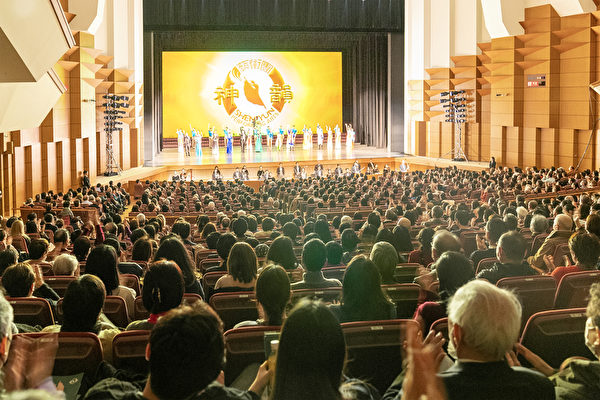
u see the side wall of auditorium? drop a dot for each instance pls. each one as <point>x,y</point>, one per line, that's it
<point>50,153</point>
<point>492,49</point>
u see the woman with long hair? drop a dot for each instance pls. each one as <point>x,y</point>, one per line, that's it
<point>103,263</point>
<point>163,290</point>
<point>362,296</point>
<point>17,229</point>
<point>242,265</point>
<point>281,253</point>
<point>423,254</point>
<point>171,248</point>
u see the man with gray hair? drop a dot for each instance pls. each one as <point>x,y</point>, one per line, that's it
<point>561,232</point>
<point>483,325</point>
<point>64,265</point>
<point>538,225</point>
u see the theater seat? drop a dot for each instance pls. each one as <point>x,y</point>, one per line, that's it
<point>574,289</point>
<point>406,273</point>
<point>31,311</point>
<point>556,335</point>
<point>234,307</point>
<point>375,350</point>
<point>131,281</point>
<point>441,325</point>
<point>140,312</point>
<point>244,346</point>
<point>129,351</point>
<point>486,263</point>
<point>334,273</point>
<point>405,296</point>
<point>536,293</point>
<point>328,295</point>
<point>115,309</point>
<point>209,280</point>
<point>77,352</point>
<point>59,283</point>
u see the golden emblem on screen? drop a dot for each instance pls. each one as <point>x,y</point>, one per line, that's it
<point>254,89</point>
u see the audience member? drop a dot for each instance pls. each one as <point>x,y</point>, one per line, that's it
<point>314,256</point>
<point>385,257</point>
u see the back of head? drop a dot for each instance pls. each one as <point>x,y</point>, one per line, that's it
<point>476,307</point>
<point>273,292</point>
<point>453,270</point>
<point>82,304</point>
<point>81,247</point>
<point>495,227</point>
<point>224,245</point>
<point>385,257</point>
<point>539,224</point>
<point>242,262</point>
<point>18,280</point>
<point>322,229</point>
<point>362,296</point>
<point>349,239</point>
<point>314,255</point>
<point>239,226</point>
<point>334,252</point>
<point>137,234</point>
<point>511,221</point>
<point>311,353</point>
<point>437,212</point>
<point>61,236</point>
<point>563,222</point>
<point>586,248</point>
<point>172,249</point>
<point>64,264</point>
<point>115,244</point>
<point>186,346</point>
<point>142,250</point>
<point>513,246</point>
<point>37,248</point>
<point>163,287</point>
<point>374,219</point>
<point>102,262</point>
<point>281,253</point>
<point>181,228</point>
<point>290,230</point>
<point>8,257</point>
<point>268,224</point>
<point>212,239</point>
<point>444,241</point>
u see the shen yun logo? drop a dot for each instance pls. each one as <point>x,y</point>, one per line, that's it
<point>253,90</point>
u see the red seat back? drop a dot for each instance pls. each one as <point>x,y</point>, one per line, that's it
<point>131,281</point>
<point>574,289</point>
<point>334,273</point>
<point>234,307</point>
<point>115,309</point>
<point>244,346</point>
<point>77,352</point>
<point>328,295</point>
<point>556,335</point>
<point>31,311</point>
<point>209,280</point>
<point>129,351</point>
<point>59,283</point>
<point>405,296</point>
<point>406,273</point>
<point>19,243</point>
<point>536,293</point>
<point>486,263</point>
<point>375,349</point>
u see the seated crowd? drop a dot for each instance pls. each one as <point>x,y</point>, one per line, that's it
<point>313,256</point>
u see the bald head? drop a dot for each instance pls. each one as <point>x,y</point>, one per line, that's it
<point>444,241</point>
<point>563,222</point>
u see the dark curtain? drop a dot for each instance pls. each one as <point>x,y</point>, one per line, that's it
<point>364,69</point>
<point>369,79</point>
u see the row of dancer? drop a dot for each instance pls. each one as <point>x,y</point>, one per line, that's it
<point>277,139</point>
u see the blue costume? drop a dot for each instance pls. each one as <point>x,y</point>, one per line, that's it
<point>258,144</point>
<point>198,139</point>
<point>229,138</point>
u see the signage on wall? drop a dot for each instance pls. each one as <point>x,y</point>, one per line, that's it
<point>536,80</point>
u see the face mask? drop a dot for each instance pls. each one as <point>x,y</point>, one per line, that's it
<point>591,338</point>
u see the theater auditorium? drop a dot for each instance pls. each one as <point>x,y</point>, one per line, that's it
<point>299,199</point>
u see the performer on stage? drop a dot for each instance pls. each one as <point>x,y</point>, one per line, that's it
<point>297,171</point>
<point>197,141</point>
<point>319,170</point>
<point>242,138</point>
<point>305,137</point>
<point>258,138</point>
<point>350,136</point>
<point>280,135</point>
<point>329,138</point>
<point>260,173</point>
<point>269,138</point>
<point>404,167</point>
<point>319,137</point>
<point>386,170</point>
<point>267,175</point>
<point>229,140</point>
<point>303,173</point>
<point>294,133</point>
<point>280,171</point>
<point>245,173</point>
<point>310,139</point>
<point>216,175</point>
<point>179,141</point>
<point>249,136</point>
<point>237,174</point>
<point>183,175</point>
<point>338,137</point>
<point>187,143</point>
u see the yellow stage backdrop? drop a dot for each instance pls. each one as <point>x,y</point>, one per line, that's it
<point>233,88</point>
